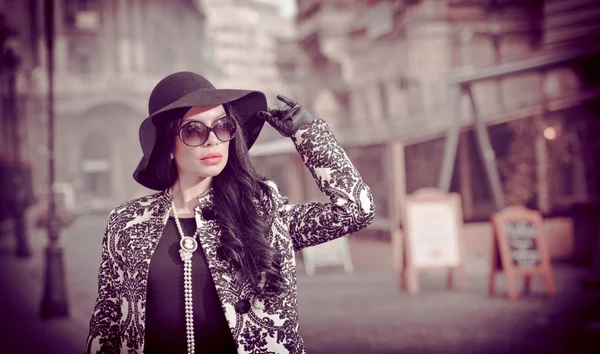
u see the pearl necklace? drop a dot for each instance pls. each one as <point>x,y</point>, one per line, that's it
<point>188,245</point>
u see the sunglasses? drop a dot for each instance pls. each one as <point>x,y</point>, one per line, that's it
<point>195,133</point>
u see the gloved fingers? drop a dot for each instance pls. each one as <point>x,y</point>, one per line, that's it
<point>292,112</point>
<point>273,120</point>
<point>279,112</point>
<point>288,101</point>
<point>264,115</point>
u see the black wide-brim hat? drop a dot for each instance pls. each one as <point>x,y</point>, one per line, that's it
<point>185,90</point>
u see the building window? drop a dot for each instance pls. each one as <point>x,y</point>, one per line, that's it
<point>96,166</point>
<point>384,100</point>
<point>81,56</point>
<point>72,7</point>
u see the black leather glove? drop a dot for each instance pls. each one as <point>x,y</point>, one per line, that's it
<point>288,118</point>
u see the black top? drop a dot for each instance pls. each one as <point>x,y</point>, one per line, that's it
<point>165,315</point>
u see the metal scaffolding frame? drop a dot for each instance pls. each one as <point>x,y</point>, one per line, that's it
<point>461,83</point>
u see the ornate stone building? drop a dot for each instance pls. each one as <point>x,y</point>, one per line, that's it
<point>244,38</point>
<point>108,56</point>
<point>385,73</point>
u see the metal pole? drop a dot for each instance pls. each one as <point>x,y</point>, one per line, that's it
<point>487,154</point>
<point>515,67</point>
<point>451,143</point>
<point>396,174</point>
<point>54,302</point>
<point>541,154</point>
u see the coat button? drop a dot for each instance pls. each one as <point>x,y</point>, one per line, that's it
<point>208,213</point>
<point>242,306</point>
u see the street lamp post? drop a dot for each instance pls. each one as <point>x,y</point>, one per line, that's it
<point>54,302</point>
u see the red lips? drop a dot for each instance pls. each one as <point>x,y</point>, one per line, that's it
<point>212,158</point>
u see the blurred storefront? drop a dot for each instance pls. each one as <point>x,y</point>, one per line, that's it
<point>108,57</point>
<point>245,45</point>
<point>385,73</point>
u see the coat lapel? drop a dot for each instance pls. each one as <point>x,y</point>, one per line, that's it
<point>142,234</point>
<point>222,271</point>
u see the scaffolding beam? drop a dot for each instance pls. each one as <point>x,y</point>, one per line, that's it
<point>487,154</point>
<point>515,67</point>
<point>451,144</point>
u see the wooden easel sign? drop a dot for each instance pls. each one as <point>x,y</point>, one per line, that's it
<point>433,225</point>
<point>519,248</point>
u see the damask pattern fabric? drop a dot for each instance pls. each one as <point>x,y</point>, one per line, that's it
<point>258,323</point>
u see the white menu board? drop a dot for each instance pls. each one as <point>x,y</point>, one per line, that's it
<point>433,233</point>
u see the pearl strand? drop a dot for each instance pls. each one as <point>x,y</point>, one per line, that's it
<point>188,246</point>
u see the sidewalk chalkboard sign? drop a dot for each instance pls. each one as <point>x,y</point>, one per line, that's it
<point>433,224</point>
<point>521,236</point>
<point>519,248</point>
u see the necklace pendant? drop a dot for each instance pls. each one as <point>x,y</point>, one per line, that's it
<point>188,244</point>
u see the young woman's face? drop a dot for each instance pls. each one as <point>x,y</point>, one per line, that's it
<point>209,158</point>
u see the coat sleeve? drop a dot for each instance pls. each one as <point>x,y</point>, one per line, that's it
<point>104,330</point>
<point>350,206</point>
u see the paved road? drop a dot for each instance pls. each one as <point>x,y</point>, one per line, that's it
<point>359,313</point>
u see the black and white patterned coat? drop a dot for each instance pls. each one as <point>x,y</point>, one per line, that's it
<point>258,324</point>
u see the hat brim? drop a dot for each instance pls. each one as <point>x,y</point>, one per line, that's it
<point>246,103</point>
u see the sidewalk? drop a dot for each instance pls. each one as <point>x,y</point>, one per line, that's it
<point>364,313</point>
<point>358,313</point>
<point>21,283</point>
<point>23,331</point>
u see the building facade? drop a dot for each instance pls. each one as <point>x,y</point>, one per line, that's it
<point>383,73</point>
<point>244,36</point>
<point>108,57</point>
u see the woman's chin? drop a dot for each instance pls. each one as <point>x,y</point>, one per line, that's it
<point>202,171</point>
<point>210,171</point>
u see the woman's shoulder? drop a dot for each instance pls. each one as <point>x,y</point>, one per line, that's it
<point>134,205</point>
<point>273,191</point>
<point>270,184</point>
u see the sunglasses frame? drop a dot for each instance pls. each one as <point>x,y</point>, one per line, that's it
<point>210,129</point>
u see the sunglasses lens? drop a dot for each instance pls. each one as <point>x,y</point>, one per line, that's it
<point>224,129</point>
<point>194,133</point>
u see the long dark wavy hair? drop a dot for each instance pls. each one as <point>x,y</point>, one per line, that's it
<point>235,189</point>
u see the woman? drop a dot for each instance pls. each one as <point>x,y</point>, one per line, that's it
<point>238,293</point>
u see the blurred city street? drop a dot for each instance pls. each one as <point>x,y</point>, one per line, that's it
<point>339,313</point>
<point>474,123</point>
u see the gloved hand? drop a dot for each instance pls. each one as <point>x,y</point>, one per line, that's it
<point>288,118</point>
